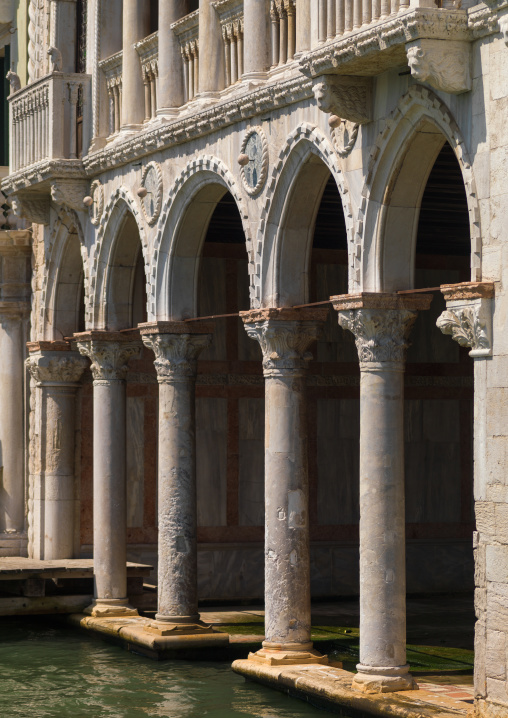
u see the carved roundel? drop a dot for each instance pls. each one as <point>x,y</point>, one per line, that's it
<point>344,135</point>
<point>96,208</point>
<point>151,200</point>
<point>254,160</point>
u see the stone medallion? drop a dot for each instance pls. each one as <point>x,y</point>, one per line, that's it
<point>344,135</point>
<point>151,199</point>
<point>96,207</point>
<point>253,160</point>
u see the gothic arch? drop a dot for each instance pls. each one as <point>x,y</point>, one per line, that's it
<point>181,232</point>
<point>398,169</point>
<point>288,216</point>
<point>105,284</point>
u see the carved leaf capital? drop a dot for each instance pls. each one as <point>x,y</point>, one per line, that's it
<point>55,367</point>
<point>469,325</point>
<point>109,359</point>
<point>381,335</point>
<point>284,344</point>
<point>176,355</point>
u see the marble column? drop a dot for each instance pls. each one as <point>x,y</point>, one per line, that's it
<point>136,26</point>
<point>381,324</point>
<point>57,372</point>
<point>285,336</point>
<point>13,329</point>
<point>211,53</point>
<point>109,353</point>
<point>170,90</point>
<point>256,45</point>
<point>176,346</point>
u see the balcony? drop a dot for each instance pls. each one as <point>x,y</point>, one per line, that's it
<point>50,120</point>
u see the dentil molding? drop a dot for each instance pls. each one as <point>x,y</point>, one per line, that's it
<point>444,64</point>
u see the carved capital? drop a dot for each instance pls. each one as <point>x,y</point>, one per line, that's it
<point>349,98</point>
<point>468,320</point>
<point>176,355</point>
<point>34,210</point>
<point>70,193</point>
<point>109,358</point>
<point>444,64</point>
<point>284,337</point>
<point>56,367</point>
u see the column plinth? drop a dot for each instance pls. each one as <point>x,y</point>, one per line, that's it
<point>109,353</point>
<point>381,324</point>
<point>284,336</point>
<point>176,346</point>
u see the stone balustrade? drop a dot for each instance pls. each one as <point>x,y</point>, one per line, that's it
<point>39,132</point>
<point>336,17</point>
<point>231,20</point>
<point>148,51</point>
<point>112,69</point>
<point>283,33</point>
<point>187,30</point>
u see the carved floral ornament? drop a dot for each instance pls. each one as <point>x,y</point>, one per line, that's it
<point>443,64</point>
<point>380,336</point>
<point>150,192</point>
<point>109,358</point>
<point>176,355</point>
<point>469,324</point>
<point>60,369</point>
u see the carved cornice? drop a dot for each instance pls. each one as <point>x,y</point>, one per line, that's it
<point>41,174</point>
<point>176,355</point>
<point>56,367</point>
<point>70,193</point>
<point>468,316</point>
<point>34,210</point>
<point>444,64</point>
<point>109,358</point>
<point>349,98</point>
<point>284,336</point>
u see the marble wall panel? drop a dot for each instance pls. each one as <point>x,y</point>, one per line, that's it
<point>135,460</point>
<point>211,460</point>
<point>212,300</point>
<point>251,448</point>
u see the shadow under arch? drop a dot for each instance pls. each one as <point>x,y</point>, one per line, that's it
<point>290,222</point>
<point>188,215</point>
<point>395,186</point>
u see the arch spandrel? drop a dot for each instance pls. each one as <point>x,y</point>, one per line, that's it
<point>401,162</point>
<point>288,217</point>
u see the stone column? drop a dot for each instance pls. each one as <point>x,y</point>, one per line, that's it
<point>57,372</point>
<point>303,26</point>
<point>284,336</point>
<point>211,54</point>
<point>109,353</point>
<point>381,324</point>
<point>171,82</point>
<point>256,45</point>
<point>13,329</point>
<point>136,26</point>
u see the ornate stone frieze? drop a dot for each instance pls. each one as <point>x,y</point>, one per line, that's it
<point>444,64</point>
<point>35,210</point>
<point>284,336</point>
<point>468,316</point>
<point>349,98</point>
<point>176,355</point>
<point>109,358</point>
<point>55,367</point>
<point>69,193</point>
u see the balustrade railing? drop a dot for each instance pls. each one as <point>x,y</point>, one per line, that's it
<point>336,17</point>
<point>283,17</point>
<point>148,51</point>
<point>112,69</point>
<point>187,31</point>
<point>39,130</point>
<point>231,20</point>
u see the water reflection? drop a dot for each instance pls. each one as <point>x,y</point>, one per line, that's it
<point>52,672</point>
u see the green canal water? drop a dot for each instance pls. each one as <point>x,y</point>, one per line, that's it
<point>48,671</point>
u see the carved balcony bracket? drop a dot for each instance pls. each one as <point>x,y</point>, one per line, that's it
<point>468,316</point>
<point>443,64</point>
<point>70,193</point>
<point>34,210</point>
<point>349,98</point>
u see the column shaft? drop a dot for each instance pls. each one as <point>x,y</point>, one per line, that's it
<point>136,25</point>
<point>256,46</point>
<point>211,55</point>
<point>171,80</point>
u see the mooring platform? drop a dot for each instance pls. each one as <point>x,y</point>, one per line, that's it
<point>30,586</point>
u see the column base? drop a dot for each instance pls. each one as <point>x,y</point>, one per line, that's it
<point>110,607</point>
<point>288,654</point>
<point>374,679</point>
<point>166,628</point>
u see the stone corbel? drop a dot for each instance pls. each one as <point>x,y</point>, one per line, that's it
<point>443,64</point>
<point>34,210</point>
<point>468,316</point>
<point>70,193</point>
<point>349,98</point>
<point>503,26</point>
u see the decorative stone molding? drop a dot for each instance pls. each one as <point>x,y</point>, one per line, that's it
<point>444,64</point>
<point>176,346</point>
<point>109,353</point>
<point>344,135</point>
<point>151,201</point>
<point>69,193</point>
<point>349,98</point>
<point>284,336</point>
<point>45,170</point>
<point>35,210</point>
<point>468,316</point>
<point>54,367</point>
<point>96,208</point>
<point>380,323</point>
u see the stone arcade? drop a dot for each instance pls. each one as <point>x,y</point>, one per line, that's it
<point>233,162</point>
